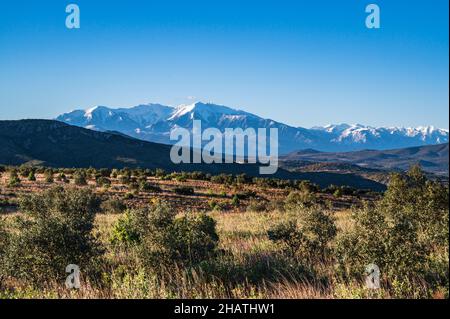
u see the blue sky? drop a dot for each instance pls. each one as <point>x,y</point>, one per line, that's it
<point>304,63</point>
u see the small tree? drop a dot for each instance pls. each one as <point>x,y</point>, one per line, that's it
<point>80,178</point>
<point>14,179</point>
<point>164,240</point>
<point>31,177</point>
<point>48,176</point>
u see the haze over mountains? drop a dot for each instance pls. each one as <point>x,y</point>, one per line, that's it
<point>153,122</point>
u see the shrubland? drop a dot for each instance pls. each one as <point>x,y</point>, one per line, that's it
<point>297,247</point>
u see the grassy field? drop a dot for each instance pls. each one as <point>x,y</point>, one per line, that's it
<point>243,234</point>
<point>252,258</point>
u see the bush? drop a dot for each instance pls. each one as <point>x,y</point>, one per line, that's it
<point>48,176</point>
<point>338,193</point>
<point>25,171</point>
<point>113,206</point>
<point>405,234</point>
<point>126,231</point>
<point>147,187</point>
<point>103,182</point>
<point>31,176</point>
<point>63,178</point>
<point>217,206</point>
<point>236,202</point>
<point>288,236</point>
<point>300,199</point>
<point>226,179</point>
<point>246,195</point>
<point>55,231</point>
<point>184,190</point>
<point>14,179</point>
<point>308,187</point>
<point>79,178</point>
<point>163,240</point>
<point>309,237</point>
<point>104,172</point>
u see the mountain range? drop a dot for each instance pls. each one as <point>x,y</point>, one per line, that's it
<point>153,122</point>
<point>56,144</point>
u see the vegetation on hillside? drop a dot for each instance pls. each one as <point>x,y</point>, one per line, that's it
<point>244,244</point>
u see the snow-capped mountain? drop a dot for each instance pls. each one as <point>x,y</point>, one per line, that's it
<point>384,137</point>
<point>153,122</point>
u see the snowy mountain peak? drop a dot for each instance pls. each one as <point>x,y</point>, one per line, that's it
<point>200,110</point>
<point>154,122</point>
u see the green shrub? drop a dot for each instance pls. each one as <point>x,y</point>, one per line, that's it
<point>300,199</point>
<point>48,176</point>
<point>55,231</point>
<point>125,231</point>
<point>338,193</point>
<point>79,178</point>
<point>288,236</point>
<point>31,176</point>
<point>217,206</point>
<point>405,234</point>
<point>25,171</point>
<point>226,179</point>
<point>235,201</point>
<point>309,238</point>
<point>103,182</point>
<point>14,179</point>
<point>63,178</point>
<point>164,240</point>
<point>242,179</point>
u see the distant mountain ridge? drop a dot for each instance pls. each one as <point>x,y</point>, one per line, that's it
<point>153,122</point>
<point>432,158</point>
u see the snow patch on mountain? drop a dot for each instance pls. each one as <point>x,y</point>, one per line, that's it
<point>153,122</point>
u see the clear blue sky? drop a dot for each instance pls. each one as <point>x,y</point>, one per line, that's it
<point>305,63</point>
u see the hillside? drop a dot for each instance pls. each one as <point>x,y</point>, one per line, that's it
<point>56,144</point>
<point>432,158</point>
